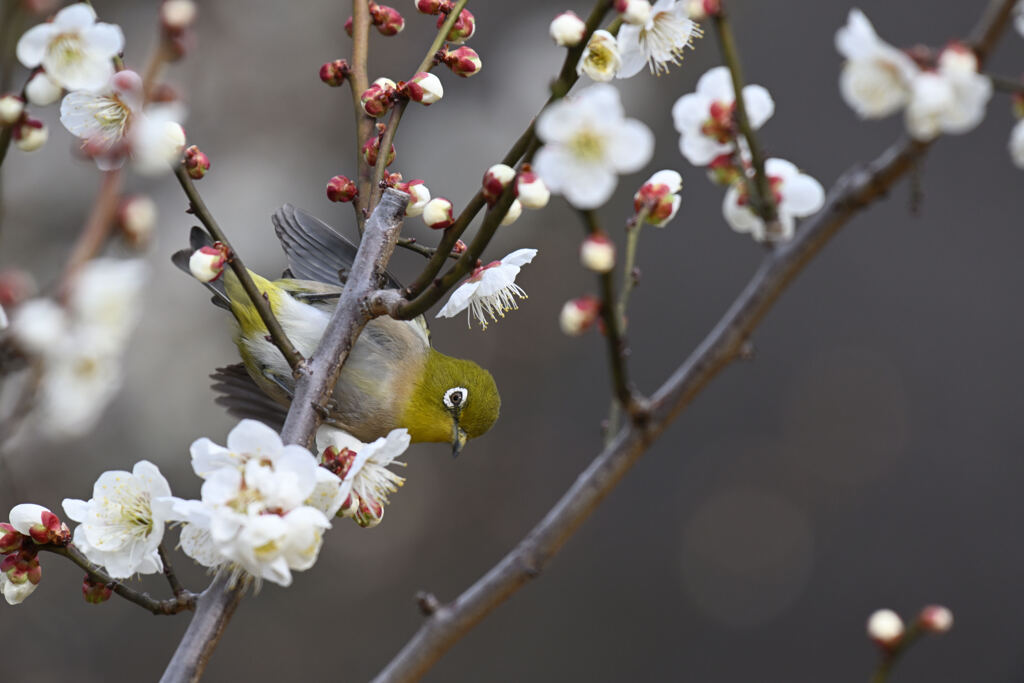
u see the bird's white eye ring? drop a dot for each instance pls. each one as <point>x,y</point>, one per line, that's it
<point>456,397</point>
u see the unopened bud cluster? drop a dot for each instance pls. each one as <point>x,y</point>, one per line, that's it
<point>196,163</point>
<point>334,73</point>
<point>388,20</point>
<point>31,526</point>
<point>379,97</point>
<point>530,190</point>
<point>341,189</point>
<point>463,61</point>
<point>464,26</point>
<point>371,150</point>
<point>29,134</point>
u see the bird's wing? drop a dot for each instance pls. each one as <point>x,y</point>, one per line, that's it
<point>239,394</point>
<point>198,239</point>
<point>314,249</point>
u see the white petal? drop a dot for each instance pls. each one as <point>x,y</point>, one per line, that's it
<point>551,163</point>
<point>633,57</point>
<point>667,177</point>
<point>15,593</point>
<point>329,436</point>
<point>690,111</point>
<point>759,104</point>
<point>208,457</point>
<point>519,257</point>
<point>105,39</point>
<point>75,17</point>
<point>632,146</point>
<point>254,438</point>
<point>1016,144</point>
<point>593,187</point>
<point>716,85</point>
<point>700,150</point>
<point>26,516</point>
<point>740,218</point>
<point>459,300</point>
<point>856,40</point>
<point>32,45</point>
<point>151,479</point>
<point>601,99</point>
<point>75,509</point>
<point>197,544</point>
<point>557,122</point>
<point>802,196</point>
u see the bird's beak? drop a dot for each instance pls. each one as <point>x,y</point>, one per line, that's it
<point>459,438</point>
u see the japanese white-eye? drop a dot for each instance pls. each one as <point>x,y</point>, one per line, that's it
<point>392,378</point>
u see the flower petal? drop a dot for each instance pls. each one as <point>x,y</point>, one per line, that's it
<point>802,196</point>
<point>632,146</point>
<point>254,438</point>
<point>26,516</point>
<point>74,17</point>
<point>32,45</point>
<point>759,103</point>
<point>106,39</point>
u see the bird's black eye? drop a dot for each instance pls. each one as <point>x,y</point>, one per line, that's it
<point>455,397</point>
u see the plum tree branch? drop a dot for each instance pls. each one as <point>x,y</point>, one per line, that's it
<point>855,190</point>
<point>313,386</point>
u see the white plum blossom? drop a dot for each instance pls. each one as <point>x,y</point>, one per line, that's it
<point>366,480</point>
<point>659,196</point>
<point>587,143</point>
<point>1017,144</point>
<point>877,78</point>
<point>75,50</point>
<point>704,118</point>
<point>253,514</point>
<point>80,346</point>
<point>659,41</point>
<point>796,195</point>
<point>113,125</point>
<point>122,525</point>
<point>885,627</point>
<point>600,59</point>
<point>491,290</point>
<point>952,99</point>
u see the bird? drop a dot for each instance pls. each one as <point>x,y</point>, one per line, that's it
<point>393,377</point>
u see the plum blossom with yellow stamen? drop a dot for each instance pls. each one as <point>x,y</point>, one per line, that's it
<point>658,41</point>
<point>490,291</point>
<point>74,49</point>
<point>587,143</point>
<point>600,59</point>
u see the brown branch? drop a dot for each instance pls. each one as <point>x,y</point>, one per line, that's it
<point>855,190</point>
<point>359,81</point>
<point>258,298</point>
<point>312,388</point>
<point>761,198</point>
<point>181,602</point>
<point>172,579</point>
<point>96,229</point>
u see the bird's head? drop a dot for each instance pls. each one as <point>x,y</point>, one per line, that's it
<point>455,400</point>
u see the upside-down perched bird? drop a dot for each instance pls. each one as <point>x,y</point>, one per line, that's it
<point>392,378</point>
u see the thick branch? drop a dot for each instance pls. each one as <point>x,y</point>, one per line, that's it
<point>312,388</point>
<point>258,298</point>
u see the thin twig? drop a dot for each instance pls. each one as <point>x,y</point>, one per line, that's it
<point>172,578</point>
<point>388,138</point>
<point>629,281</point>
<point>613,331</point>
<point>258,298</point>
<point>855,190</point>
<point>762,200</point>
<point>411,244</point>
<point>1006,84</point>
<point>312,388</point>
<point>97,227</point>
<point>359,82</point>
<point>891,655</point>
<point>181,602</point>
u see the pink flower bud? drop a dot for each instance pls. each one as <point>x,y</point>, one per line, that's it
<point>334,73</point>
<point>10,539</point>
<point>712,8</point>
<point>177,15</point>
<point>424,88</point>
<point>496,179</point>
<point>41,90</point>
<point>463,61</point>
<point>371,149</point>
<point>388,20</point>
<point>885,628</point>
<point>460,247</point>
<point>635,12</point>
<point>136,217</point>
<point>95,592</point>
<point>196,163</point>
<point>431,6</point>
<point>578,315</point>
<point>30,134</point>
<point>22,566</point>
<point>369,514</point>
<point>348,27</point>
<point>341,189</point>
<point>722,171</point>
<point>419,195</point>
<point>339,461</point>
<point>463,28</point>
<point>515,210</point>
<point>567,29</point>
<point>207,263</point>
<point>437,213</point>
<point>11,109</point>
<point>533,193</point>
<point>659,197</point>
<point>378,98</point>
<point>597,253</point>
<point>936,619</point>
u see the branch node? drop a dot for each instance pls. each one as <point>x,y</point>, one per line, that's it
<point>428,603</point>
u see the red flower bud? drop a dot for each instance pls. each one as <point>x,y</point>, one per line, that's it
<point>196,163</point>
<point>348,27</point>
<point>95,592</point>
<point>334,73</point>
<point>463,61</point>
<point>388,20</point>
<point>463,28</point>
<point>372,148</point>
<point>341,189</point>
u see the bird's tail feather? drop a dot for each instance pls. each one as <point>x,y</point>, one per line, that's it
<point>244,399</point>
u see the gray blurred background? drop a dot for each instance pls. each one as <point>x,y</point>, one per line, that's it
<point>870,455</point>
